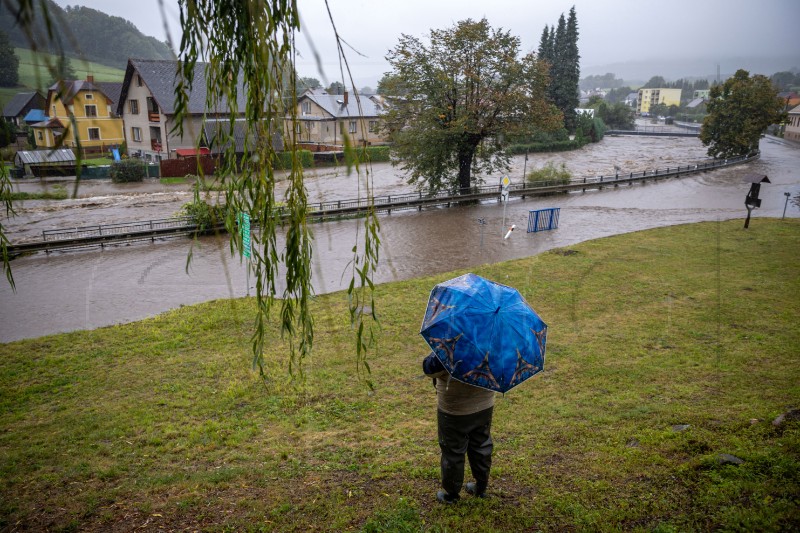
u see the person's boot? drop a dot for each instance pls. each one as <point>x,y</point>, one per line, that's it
<point>444,497</point>
<point>472,489</point>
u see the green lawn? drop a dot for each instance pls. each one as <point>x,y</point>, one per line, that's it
<point>666,349</point>
<point>34,73</point>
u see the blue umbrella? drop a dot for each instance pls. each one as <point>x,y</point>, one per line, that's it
<point>484,333</point>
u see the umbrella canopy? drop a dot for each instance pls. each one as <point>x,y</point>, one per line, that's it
<point>484,333</point>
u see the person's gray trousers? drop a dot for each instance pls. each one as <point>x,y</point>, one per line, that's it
<point>470,435</point>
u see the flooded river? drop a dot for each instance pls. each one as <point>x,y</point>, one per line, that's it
<point>88,289</point>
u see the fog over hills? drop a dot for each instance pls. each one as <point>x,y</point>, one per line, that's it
<point>691,68</point>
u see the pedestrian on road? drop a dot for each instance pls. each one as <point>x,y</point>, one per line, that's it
<point>464,417</point>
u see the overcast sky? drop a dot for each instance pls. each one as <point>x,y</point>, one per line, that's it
<point>613,33</point>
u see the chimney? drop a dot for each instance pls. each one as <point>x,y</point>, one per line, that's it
<point>90,78</point>
<point>345,99</point>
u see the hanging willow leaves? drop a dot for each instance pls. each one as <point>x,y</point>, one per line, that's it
<point>249,50</point>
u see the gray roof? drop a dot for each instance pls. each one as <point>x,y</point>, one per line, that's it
<point>795,111</point>
<point>111,89</point>
<point>39,157</point>
<point>18,103</point>
<point>333,104</point>
<point>696,102</point>
<point>161,79</point>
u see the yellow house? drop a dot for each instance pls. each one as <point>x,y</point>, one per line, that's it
<point>648,97</point>
<point>93,107</point>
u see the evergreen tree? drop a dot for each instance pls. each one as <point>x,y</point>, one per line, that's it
<point>9,63</point>
<point>561,51</point>
<point>546,46</point>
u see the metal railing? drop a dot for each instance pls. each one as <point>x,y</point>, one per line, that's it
<point>101,234</point>
<point>123,228</point>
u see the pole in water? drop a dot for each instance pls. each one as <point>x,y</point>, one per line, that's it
<point>786,194</point>
<point>510,229</point>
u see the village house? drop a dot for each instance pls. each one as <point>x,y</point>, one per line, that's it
<point>92,106</point>
<point>323,119</point>
<point>792,131</point>
<point>20,105</point>
<point>147,105</point>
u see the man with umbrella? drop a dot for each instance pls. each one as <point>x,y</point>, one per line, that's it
<point>485,339</point>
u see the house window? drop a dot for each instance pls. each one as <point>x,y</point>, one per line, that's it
<point>352,126</point>
<point>306,106</point>
<point>133,107</point>
<point>89,96</point>
<point>41,138</point>
<point>94,134</point>
<point>138,80</point>
<point>299,128</point>
<point>91,110</point>
<point>136,134</point>
<point>373,126</point>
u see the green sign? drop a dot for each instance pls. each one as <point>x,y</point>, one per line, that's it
<point>244,228</point>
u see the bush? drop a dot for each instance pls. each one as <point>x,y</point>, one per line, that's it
<point>549,175</point>
<point>550,146</point>
<point>377,154</point>
<point>284,161</point>
<point>206,216</point>
<point>127,170</point>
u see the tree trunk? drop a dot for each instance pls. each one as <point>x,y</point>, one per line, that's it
<point>465,156</point>
<point>464,171</point>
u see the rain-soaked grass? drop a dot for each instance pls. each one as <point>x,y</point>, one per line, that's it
<point>666,349</point>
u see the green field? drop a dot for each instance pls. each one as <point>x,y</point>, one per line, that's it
<point>34,73</point>
<point>666,349</point>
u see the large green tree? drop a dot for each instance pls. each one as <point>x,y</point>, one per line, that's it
<point>9,63</point>
<point>468,90</point>
<point>739,111</point>
<point>616,116</point>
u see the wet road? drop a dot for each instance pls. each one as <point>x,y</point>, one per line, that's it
<point>83,290</point>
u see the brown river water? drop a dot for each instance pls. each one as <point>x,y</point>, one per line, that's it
<point>69,291</point>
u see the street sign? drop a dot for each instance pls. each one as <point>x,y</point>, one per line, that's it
<point>244,228</point>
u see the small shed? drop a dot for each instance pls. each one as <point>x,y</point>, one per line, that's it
<point>41,163</point>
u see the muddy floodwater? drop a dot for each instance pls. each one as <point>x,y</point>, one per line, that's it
<point>68,291</point>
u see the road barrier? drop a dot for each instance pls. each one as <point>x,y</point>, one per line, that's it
<point>543,219</point>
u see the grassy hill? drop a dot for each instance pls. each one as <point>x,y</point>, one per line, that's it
<point>33,72</point>
<point>669,351</point>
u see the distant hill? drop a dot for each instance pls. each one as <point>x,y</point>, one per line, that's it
<point>638,72</point>
<point>87,34</point>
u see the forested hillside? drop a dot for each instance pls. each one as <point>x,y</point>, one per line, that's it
<point>87,34</point>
